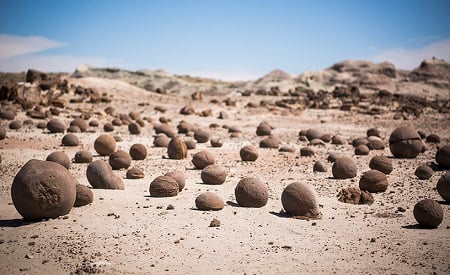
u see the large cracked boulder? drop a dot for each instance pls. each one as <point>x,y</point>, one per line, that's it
<point>405,142</point>
<point>26,94</point>
<point>43,190</point>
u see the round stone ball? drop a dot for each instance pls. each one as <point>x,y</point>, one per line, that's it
<point>84,195</point>
<point>263,129</point>
<point>94,123</point>
<point>179,177</point>
<point>373,181</point>
<point>15,125</point>
<point>344,168</point>
<point>190,144</point>
<point>83,156</point>
<point>251,192</point>
<point>443,156</point>
<point>2,132</point>
<point>163,186</point>
<point>42,125</point>
<point>314,134</point>
<point>286,149</point>
<point>81,123</point>
<point>423,172</point>
<point>362,150</point>
<point>216,142</point>
<point>166,129</point>
<point>70,139</point>
<point>135,173</point>
<point>184,127</point>
<point>101,176</point>
<point>332,157</point>
<point>405,142</point>
<point>59,157</point>
<point>270,142</point>
<point>320,166</point>
<point>300,200</point>
<point>56,125</point>
<point>360,141</point>
<point>433,138</point>
<point>428,213</point>
<point>105,145</point>
<point>161,140</point>
<point>202,135</point>
<point>307,151</point>
<point>443,186</point>
<point>209,201</point>
<point>338,140</point>
<point>119,160</point>
<point>73,129</point>
<point>375,143</point>
<point>108,127</point>
<point>214,174</point>
<point>382,164</point>
<point>373,132</point>
<point>177,149</point>
<point>248,153</point>
<point>134,128</point>
<point>43,190</point>
<point>138,151</point>
<point>203,158</point>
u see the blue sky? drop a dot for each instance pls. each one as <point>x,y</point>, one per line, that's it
<point>222,39</point>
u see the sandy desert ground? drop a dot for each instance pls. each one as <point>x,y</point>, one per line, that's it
<point>129,232</point>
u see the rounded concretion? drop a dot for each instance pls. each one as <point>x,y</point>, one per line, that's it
<point>320,166</point>
<point>179,177</point>
<point>373,181</point>
<point>202,159</point>
<point>83,156</point>
<point>105,145</point>
<point>216,142</point>
<point>56,125</point>
<point>201,135</point>
<point>300,200</point>
<point>161,140</point>
<point>177,149</point>
<point>443,186</point>
<point>101,176</point>
<point>138,151</point>
<point>209,201</point>
<point>313,134</point>
<point>263,129</point>
<point>423,172</point>
<point>251,192</point>
<point>163,186</point>
<point>84,195</point>
<point>248,153</point>
<point>59,157</point>
<point>443,156</point>
<point>270,142</point>
<point>134,128</point>
<point>382,164</point>
<point>119,160</point>
<point>166,129</point>
<point>214,174</point>
<point>362,150</point>
<point>307,151</point>
<point>70,140</point>
<point>80,123</point>
<point>2,132</point>
<point>344,168</point>
<point>428,213</point>
<point>405,142</point>
<point>373,132</point>
<point>134,173</point>
<point>43,190</point>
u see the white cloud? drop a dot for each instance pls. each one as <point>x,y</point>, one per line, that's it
<point>11,45</point>
<point>410,58</point>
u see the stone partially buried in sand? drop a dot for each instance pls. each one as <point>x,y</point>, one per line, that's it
<point>177,149</point>
<point>209,201</point>
<point>164,186</point>
<point>101,176</point>
<point>138,151</point>
<point>428,213</point>
<point>300,200</point>
<point>248,153</point>
<point>443,156</point>
<point>56,125</point>
<point>270,142</point>
<point>344,168</point>
<point>84,195</point>
<point>59,157</point>
<point>83,156</point>
<point>214,174</point>
<point>105,145</point>
<point>320,166</point>
<point>373,181</point>
<point>382,164</point>
<point>43,190</point>
<point>70,140</point>
<point>251,192</point>
<point>203,158</point>
<point>405,142</point>
<point>134,173</point>
<point>443,186</point>
<point>423,172</point>
<point>119,160</point>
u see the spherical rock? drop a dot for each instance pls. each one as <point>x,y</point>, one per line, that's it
<point>84,195</point>
<point>101,176</point>
<point>270,142</point>
<point>105,145</point>
<point>81,123</point>
<point>214,174</point>
<point>375,143</point>
<point>313,134</point>
<point>56,125</point>
<point>443,186</point>
<point>94,123</point>
<point>263,129</point>
<point>382,164</point>
<point>338,140</point>
<point>184,127</point>
<point>360,141</point>
<point>320,166</point>
<point>344,168</point>
<point>202,135</point>
<point>433,138</point>
<point>209,201</point>
<point>405,142</point>
<point>2,132</point>
<point>443,156</point>
<point>428,213</point>
<point>179,177</point>
<point>251,192</point>
<point>362,150</point>
<point>307,151</point>
<point>108,127</point>
<point>423,172</point>
<point>15,125</point>
<point>332,157</point>
<point>83,156</point>
<point>248,153</point>
<point>177,149</point>
<point>164,186</point>
<point>138,151</point>
<point>42,125</point>
<point>166,129</point>
<point>216,142</point>
<point>202,159</point>
<point>300,200</point>
<point>70,139</point>
<point>43,190</point>
<point>134,128</point>
<point>161,140</point>
<point>287,149</point>
<point>373,132</point>
<point>119,159</point>
<point>73,129</point>
<point>59,157</point>
<point>190,144</point>
<point>135,173</point>
<point>373,181</point>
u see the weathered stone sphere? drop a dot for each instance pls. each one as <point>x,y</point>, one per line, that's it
<point>286,149</point>
<point>443,186</point>
<point>216,142</point>
<point>362,150</point>
<point>108,127</point>
<point>43,190</point>
<point>73,129</point>
<point>375,143</point>
<point>164,186</point>
<point>161,140</point>
<point>209,201</point>
<point>179,177</point>
<point>177,149</point>
<point>15,125</point>
<point>214,174</point>
<point>83,156</point>
<point>307,151</point>
<point>428,213</point>
<point>338,140</point>
<point>382,164</point>
<point>270,142</point>
<point>70,140</point>
<point>373,132</point>
<point>300,200</point>
<point>313,134</point>
<point>134,128</point>
<point>373,181</point>
<point>119,160</point>
<point>166,129</point>
<point>248,153</point>
<point>134,173</point>
<point>263,129</point>
<point>360,141</point>
<point>405,142</point>
<point>2,132</point>
<point>84,195</point>
<point>423,172</point>
<point>56,125</point>
<point>344,168</point>
<point>203,158</point>
<point>202,135</point>
<point>94,123</point>
<point>190,144</point>
<point>138,151</point>
<point>433,138</point>
<point>332,157</point>
<point>443,156</point>
<point>81,123</point>
<point>320,166</point>
<point>251,192</point>
<point>105,145</point>
<point>59,157</point>
<point>101,176</point>
<point>184,127</point>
